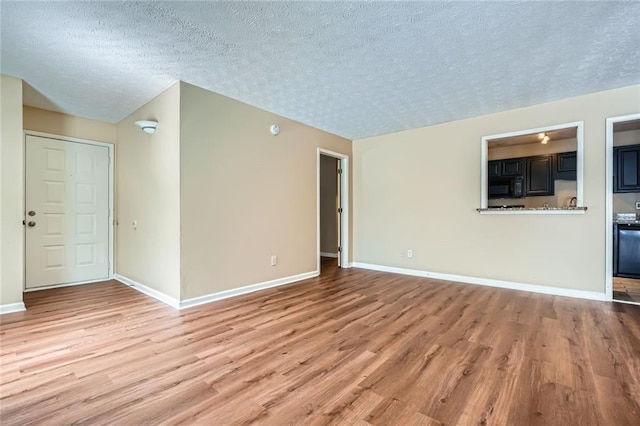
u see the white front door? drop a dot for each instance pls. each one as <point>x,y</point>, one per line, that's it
<point>67,212</point>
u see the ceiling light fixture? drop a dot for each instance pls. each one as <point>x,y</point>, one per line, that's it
<point>545,138</point>
<point>147,126</point>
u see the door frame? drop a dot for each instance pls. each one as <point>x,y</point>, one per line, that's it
<point>609,203</point>
<point>111,191</point>
<point>344,203</point>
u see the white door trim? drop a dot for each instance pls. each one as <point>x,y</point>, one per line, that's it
<point>609,200</point>
<point>344,203</point>
<point>110,148</point>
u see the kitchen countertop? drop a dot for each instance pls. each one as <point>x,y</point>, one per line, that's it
<point>633,220</point>
<point>532,209</point>
<point>626,221</point>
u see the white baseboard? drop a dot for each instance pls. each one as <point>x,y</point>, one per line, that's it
<point>171,301</point>
<point>556,291</point>
<point>327,254</point>
<point>12,307</point>
<point>188,303</point>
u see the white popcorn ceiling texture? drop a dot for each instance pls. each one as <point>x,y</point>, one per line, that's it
<point>355,69</point>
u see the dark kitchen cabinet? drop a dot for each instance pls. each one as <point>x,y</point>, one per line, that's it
<point>539,176</point>
<point>566,166</point>
<point>495,168</point>
<point>626,168</point>
<point>513,167</point>
<point>508,168</point>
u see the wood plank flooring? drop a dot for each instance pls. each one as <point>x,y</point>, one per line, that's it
<point>627,289</point>
<point>351,347</point>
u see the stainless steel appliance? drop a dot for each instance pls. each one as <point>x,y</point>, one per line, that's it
<point>626,262</point>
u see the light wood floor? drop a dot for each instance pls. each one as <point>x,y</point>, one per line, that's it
<point>351,347</point>
<point>627,289</point>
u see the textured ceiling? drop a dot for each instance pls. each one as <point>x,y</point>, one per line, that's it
<point>355,69</point>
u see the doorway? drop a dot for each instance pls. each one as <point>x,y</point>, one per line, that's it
<point>68,205</point>
<point>332,211</point>
<point>623,209</point>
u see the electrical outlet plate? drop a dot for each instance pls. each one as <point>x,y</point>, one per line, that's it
<point>638,205</point>
<point>409,253</point>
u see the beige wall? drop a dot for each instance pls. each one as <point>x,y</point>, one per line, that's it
<point>328,204</point>
<point>11,186</point>
<point>626,202</point>
<point>419,189</point>
<point>245,194</point>
<point>56,123</point>
<point>148,192</point>
<point>630,137</point>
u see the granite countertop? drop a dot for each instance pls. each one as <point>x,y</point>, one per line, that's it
<point>533,209</point>
<point>626,221</point>
<point>633,220</point>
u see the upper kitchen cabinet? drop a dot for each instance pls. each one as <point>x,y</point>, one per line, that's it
<point>495,168</point>
<point>509,167</point>
<point>513,167</point>
<point>539,178</point>
<point>566,166</point>
<point>626,168</point>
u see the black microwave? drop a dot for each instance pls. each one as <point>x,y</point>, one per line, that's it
<point>506,187</point>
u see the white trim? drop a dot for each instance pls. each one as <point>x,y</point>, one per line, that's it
<point>484,158</point>
<point>158,295</point>
<point>609,201</point>
<point>111,218</point>
<point>326,254</point>
<point>188,303</point>
<point>626,302</point>
<point>556,291</point>
<point>196,301</point>
<point>65,138</point>
<point>12,307</point>
<point>48,287</point>
<point>484,172</point>
<point>344,203</point>
<point>533,212</point>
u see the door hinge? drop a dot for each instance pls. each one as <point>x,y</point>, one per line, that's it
<point>339,171</point>
<point>339,209</point>
<point>339,249</point>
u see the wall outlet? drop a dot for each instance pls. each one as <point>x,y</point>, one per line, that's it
<point>409,253</point>
<point>401,254</point>
<point>134,225</point>
<point>638,205</point>
<point>274,260</point>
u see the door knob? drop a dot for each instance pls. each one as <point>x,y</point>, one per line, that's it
<point>31,213</point>
<point>31,224</point>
